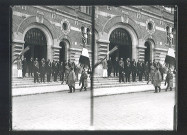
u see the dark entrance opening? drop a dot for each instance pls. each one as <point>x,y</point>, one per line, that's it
<point>36,40</point>
<point>147,56</point>
<point>122,39</point>
<point>62,52</point>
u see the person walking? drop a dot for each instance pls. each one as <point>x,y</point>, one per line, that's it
<point>109,64</point>
<point>48,70</point>
<point>30,66</point>
<point>19,67</point>
<point>104,64</point>
<point>71,78</point>
<point>157,78</point>
<point>24,63</point>
<point>36,70</point>
<point>121,70</point>
<point>116,66</point>
<point>83,80</point>
<point>79,70</point>
<point>169,80</point>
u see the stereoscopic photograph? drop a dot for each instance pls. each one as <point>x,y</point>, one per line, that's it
<point>128,83</point>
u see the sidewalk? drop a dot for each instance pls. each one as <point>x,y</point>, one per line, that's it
<point>128,88</point>
<point>42,90</point>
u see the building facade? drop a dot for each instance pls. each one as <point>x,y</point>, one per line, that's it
<point>142,32</point>
<point>55,32</point>
<point>51,32</point>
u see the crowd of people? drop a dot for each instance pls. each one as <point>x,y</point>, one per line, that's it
<point>67,72</point>
<point>129,70</point>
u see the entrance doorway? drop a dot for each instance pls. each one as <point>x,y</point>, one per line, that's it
<point>122,39</point>
<point>62,52</point>
<point>147,57</point>
<point>37,43</point>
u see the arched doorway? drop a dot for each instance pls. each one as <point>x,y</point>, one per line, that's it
<point>147,56</point>
<point>62,52</point>
<point>36,40</point>
<point>149,44</point>
<point>122,39</point>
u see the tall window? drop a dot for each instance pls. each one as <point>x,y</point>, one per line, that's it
<point>88,36</point>
<point>85,9</point>
<point>168,35</point>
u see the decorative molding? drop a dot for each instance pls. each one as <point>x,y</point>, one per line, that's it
<point>103,41</point>
<point>160,49</point>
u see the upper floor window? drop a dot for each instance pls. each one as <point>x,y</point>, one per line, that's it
<point>169,32</point>
<point>88,36</point>
<point>85,9</point>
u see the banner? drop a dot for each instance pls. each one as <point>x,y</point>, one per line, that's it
<point>170,57</point>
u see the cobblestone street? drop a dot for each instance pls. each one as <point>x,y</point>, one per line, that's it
<point>52,111</point>
<point>135,111</point>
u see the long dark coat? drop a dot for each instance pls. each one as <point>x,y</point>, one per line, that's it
<point>169,79</point>
<point>48,68</point>
<point>157,78</point>
<point>83,79</point>
<point>71,78</point>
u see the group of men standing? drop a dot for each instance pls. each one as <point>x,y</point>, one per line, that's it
<point>152,71</point>
<point>124,69</point>
<point>67,72</point>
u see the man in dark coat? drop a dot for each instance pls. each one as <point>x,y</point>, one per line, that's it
<point>154,63</point>
<point>146,71</point>
<point>134,70</point>
<point>83,80</point>
<point>116,67</point>
<point>36,70</point>
<point>48,70</point>
<point>30,66</point>
<point>55,71</point>
<point>121,70</point>
<point>53,66</point>
<point>24,63</point>
<point>61,71</point>
<point>42,70</point>
<point>128,71</point>
<point>169,80</point>
<point>138,66</point>
<point>140,71</point>
<point>109,64</point>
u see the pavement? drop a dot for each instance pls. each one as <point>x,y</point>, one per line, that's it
<point>42,90</point>
<point>127,88</point>
<point>51,111</point>
<point>135,111</point>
